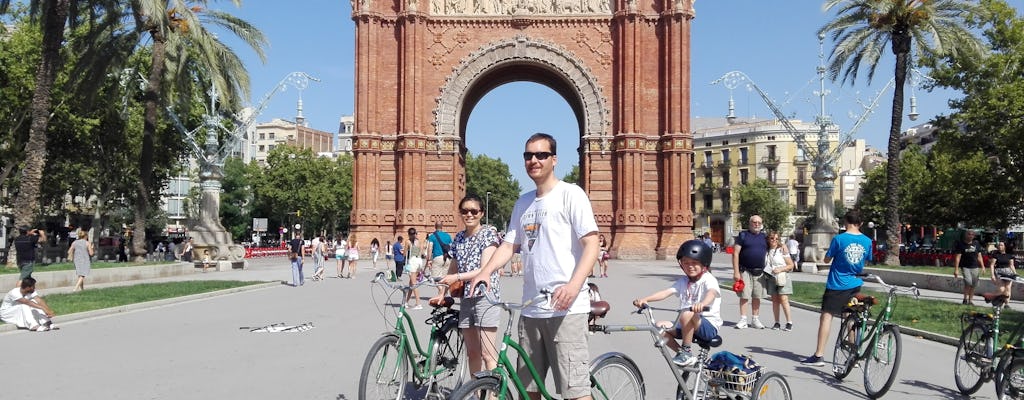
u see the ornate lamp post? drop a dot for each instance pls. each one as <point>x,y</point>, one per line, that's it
<point>822,157</point>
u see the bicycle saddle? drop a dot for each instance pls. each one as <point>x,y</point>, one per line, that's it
<point>598,309</point>
<point>865,299</point>
<point>995,298</point>
<point>446,302</point>
<point>707,344</point>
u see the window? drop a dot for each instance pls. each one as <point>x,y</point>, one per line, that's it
<point>725,143</point>
<point>744,140</point>
<point>707,178</point>
<point>771,152</point>
<point>744,176</point>
<point>270,148</point>
<point>707,158</point>
<point>743,156</point>
<point>726,202</point>
<point>725,180</point>
<point>801,200</point>
<point>725,156</point>
<point>263,135</point>
<point>271,135</point>
<point>708,201</point>
<point>801,175</point>
<point>262,147</point>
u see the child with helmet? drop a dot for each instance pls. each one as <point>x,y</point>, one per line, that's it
<point>697,289</point>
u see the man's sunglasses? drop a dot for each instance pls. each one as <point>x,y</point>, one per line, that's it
<point>466,211</point>
<point>541,155</point>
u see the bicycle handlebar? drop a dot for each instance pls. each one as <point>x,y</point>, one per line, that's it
<point>381,280</point>
<point>545,295</point>
<point>912,289</point>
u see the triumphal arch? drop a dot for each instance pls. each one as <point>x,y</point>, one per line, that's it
<point>623,66</point>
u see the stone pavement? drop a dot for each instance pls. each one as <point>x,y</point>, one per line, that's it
<point>194,349</point>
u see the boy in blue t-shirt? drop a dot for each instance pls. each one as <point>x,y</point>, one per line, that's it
<point>847,252</point>
<point>696,290</point>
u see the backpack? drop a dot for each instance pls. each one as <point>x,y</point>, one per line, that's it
<point>732,363</point>
<point>445,247</point>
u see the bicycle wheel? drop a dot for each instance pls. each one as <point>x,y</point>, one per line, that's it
<point>882,362</point>
<point>480,389</point>
<point>771,386</point>
<point>845,352</point>
<point>691,379</point>
<point>451,355</point>
<point>386,372</point>
<point>1011,386</point>
<point>615,378</point>
<point>971,359</point>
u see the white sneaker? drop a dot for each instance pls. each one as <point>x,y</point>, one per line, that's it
<point>684,359</point>
<point>742,324</point>
<point>756,324</point>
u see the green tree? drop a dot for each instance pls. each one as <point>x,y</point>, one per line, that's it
<point>180,39</point>
<point>573,176</point>
<point>760,197</point>
<point>863,28</point>
<point>989,118</point>
<point>485,174</point>
<point>296,181</point>
<point>54,17</point>
<point>236,198</point>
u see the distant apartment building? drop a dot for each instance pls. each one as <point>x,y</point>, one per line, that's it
<point>269,135</point>
<point>346,127</point>
<point>727,155</point>
<point>924,135</point>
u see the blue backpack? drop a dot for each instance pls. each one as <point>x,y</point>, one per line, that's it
<point>732,363</point>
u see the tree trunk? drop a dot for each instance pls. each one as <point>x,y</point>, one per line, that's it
<point>26,205</point>
<point>152,109</point>
<point>901,48</point>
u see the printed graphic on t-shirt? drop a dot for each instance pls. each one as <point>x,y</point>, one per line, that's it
<point>854,253</point>
<point>532,230</point>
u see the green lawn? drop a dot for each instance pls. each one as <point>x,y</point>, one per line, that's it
<point>935,316</point>
<point>96,299</point>
<point>67,266</point>
<point>918,268</point>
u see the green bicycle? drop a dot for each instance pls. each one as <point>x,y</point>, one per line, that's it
<point>980,357</point>
<point>877,342</point>
<point>399,367</point>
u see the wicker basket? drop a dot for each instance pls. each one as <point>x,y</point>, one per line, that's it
<point>733,381</point>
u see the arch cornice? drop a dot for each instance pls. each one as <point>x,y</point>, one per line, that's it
<point>522,49</point>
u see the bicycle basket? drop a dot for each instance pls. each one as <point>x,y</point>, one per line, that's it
<point>733,381</point>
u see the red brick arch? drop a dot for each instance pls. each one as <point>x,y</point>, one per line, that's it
<point>422,66</point>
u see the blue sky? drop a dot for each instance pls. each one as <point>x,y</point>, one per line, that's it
<point>772,41</point>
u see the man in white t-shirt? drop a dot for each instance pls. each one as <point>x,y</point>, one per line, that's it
<point>554,229</point>
<point>25,308</point>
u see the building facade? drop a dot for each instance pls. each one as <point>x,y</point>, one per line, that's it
<point>269,135</point>
<point>727,155</point>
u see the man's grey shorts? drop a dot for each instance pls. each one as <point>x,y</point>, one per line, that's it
<point>754,287</point>
<point>558,343</point>
<point>26,269</point>
<point>477,312</point>
<point>972,276</point>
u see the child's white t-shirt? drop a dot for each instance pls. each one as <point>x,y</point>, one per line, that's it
<point>692,293</point>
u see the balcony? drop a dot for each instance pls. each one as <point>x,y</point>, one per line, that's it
<point>800,160</point>
<point>781,182</point>
<point>705,211</point>
<point>707,187</point>
<point>706,166</point>
<point>724,164</point>
<point>724,188</point>
<point>743,162</point>
<point>801,210</point>
<point>770,161</point>
<point>802,182</point>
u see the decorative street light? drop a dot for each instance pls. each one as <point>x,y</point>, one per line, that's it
<point>822,156</point>
<point>487,208</point>
<point>874,232</point>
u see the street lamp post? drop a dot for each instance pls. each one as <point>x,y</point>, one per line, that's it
<point>874,232</point>
<point>487,208</point>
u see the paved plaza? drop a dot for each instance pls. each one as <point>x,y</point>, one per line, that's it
<point>195,349</point>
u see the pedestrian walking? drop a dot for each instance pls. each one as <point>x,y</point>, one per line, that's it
<point>748,265</point>
<point>80,252</point>
<point>778,263</point>
<point>968,259</point>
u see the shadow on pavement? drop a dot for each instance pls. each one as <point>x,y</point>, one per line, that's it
<point>783,354</point>
<point>941,391</point>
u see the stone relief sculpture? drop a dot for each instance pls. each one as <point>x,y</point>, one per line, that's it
<point>519,7</point>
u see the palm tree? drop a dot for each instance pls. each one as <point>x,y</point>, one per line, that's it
<point>54,17</point>
<point>861,31</point>
<point>181,43</point>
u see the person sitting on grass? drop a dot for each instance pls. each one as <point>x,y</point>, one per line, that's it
<point>26,309</point>
<point>696,290</point>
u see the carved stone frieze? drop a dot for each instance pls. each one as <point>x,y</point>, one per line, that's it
<point>519,7</point>
<point>596,114</point>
